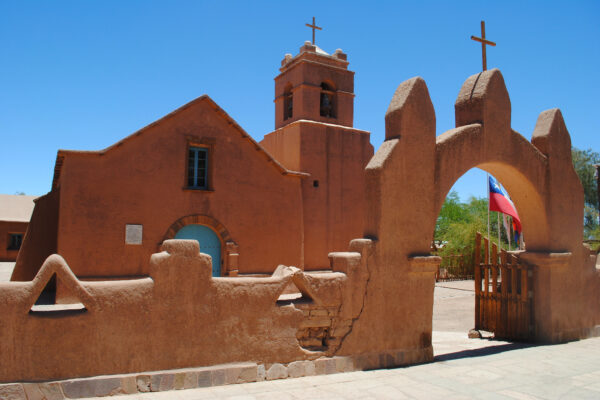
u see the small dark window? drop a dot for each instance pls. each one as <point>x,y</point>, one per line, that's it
<point>197,168</point>
<point>327,101</point>
<point>14,241</point>
<point>315,183</point>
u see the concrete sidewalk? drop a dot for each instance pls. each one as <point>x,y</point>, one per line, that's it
<point>454,306</point>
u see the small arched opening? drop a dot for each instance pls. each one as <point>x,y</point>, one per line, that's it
<point>327,100</point>
<point>288,102</point>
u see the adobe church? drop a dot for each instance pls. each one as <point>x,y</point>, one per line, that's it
<point>196,174</point>
<point>310,187</point>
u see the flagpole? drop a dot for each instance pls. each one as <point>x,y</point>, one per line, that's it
<point>488,210</point>
<point>499,245</point>
<point>509,233</point>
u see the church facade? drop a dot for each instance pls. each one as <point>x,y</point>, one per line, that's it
<point>196,174</point>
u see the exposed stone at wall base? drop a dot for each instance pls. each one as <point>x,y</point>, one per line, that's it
<point>217,375</point>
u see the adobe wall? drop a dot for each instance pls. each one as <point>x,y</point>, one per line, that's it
<point>398,307</point>
<point>407,181</point>
<point>335,156</point>
<point>40,239</point>
<point>178,317</point>
<point>142,180</point>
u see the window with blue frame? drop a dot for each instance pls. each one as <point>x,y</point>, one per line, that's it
<point>197,168</point>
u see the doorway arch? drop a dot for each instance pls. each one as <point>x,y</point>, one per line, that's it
<point>518,182</point>
<point>229,254</point>
<point>209,242</point>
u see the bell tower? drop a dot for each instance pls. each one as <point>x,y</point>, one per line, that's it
<point>314,86</point>
<point>314,111</point>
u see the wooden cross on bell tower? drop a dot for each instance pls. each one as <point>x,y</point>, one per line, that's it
<point>484,42</point>
<point>313,27</point>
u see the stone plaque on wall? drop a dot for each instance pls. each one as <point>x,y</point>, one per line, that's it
<point>133,234</point>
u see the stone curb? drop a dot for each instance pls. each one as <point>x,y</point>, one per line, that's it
<point>216,375</point>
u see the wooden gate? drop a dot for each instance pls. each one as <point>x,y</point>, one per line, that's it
<point>503,294</point>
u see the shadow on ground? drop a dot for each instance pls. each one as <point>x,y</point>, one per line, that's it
<point>483,351</point>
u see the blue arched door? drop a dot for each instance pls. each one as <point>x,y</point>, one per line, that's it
<point>209,243</point>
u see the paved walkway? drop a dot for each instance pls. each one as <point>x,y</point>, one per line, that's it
<point>454,306</point>
<point>502,371</point>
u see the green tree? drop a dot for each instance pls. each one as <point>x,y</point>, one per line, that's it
<point>452,211</point>
<point>458,223</point>
<point>583,162</point>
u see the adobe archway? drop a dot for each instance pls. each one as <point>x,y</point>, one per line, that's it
<point>524,193</point>
<point>407,181</point>
<point>229,249</point>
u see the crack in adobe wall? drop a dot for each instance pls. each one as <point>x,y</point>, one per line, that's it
<point>353,320</point>
<point>475,85</point>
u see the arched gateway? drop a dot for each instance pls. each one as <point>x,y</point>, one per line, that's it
<point>407,181</point>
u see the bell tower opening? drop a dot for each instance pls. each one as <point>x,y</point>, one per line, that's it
<point>288,102</point>
<point>327,106</point>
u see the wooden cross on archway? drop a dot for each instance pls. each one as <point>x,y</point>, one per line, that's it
<point>313,27</point>
<point>483,41</point>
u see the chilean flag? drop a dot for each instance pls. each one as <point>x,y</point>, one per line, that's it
<point>501,202</point>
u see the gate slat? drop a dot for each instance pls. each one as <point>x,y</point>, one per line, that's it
<point>493,299</point>
<point>524,300</point>
<point>502,331</point>
<point>514,300</point>
<point>486,286</point>
<point>506,308</point>
<point>477,273</point>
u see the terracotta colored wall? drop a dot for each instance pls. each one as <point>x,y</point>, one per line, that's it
<point>6,228</point>
<point>141,180</point>
<point>40,239</point>
<point>335,156</point>
<point>178,317</point>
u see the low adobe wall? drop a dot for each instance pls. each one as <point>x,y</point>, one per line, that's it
<point>180,317</point>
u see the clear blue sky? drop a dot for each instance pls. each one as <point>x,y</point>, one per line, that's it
<point>83,75</point>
